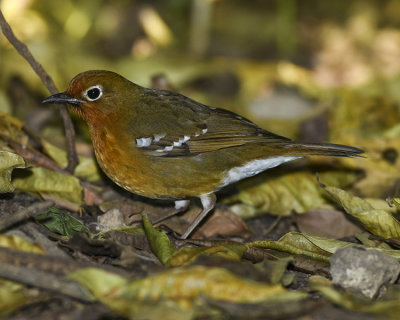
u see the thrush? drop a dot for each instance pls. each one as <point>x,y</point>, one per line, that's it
<point>164,145</point>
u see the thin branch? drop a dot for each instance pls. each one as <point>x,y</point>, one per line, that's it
<point>25,213</point>
<point>45,281</point>
<point>36,158</point>
<point>49,83</point>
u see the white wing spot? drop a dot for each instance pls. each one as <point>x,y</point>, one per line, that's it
<point>143,142</point>
<point>204,131</point>
<point>175,144</point>
<point>166,148</point>
<point>158,137</point>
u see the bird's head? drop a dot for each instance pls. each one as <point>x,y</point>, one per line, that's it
<point>96,94</point>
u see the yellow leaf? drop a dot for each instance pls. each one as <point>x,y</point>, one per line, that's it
<point>8,161</point>
<point>12,127</point>
<point>178,284</point>
<point>282,194</point>
<point>214,283</point>
<point>12,297</point>
<point>186,254</point>
<point>318,248</point>
<point>377,221</point>
<point>54,184</point>
<point>86,169</point>
<point>18,243</point>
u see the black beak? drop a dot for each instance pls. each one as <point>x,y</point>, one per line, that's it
<point>63,98</point>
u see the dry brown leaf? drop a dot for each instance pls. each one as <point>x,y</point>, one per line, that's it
<point>222,223</point>
<point>326,223</point>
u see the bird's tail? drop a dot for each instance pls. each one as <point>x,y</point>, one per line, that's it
<point>322,149</point>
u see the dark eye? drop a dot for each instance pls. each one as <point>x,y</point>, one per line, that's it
<point>93,93</point>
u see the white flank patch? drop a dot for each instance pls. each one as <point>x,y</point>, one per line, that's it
<point>253,167</point>
<point>143,142</point>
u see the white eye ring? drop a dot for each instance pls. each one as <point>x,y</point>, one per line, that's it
<point>93,93</point>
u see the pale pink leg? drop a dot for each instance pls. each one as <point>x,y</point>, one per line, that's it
<point>208,203</point>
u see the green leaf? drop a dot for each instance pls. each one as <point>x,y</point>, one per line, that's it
<point>60,222</point>
<point>159,241</point>
<point>8,161</point>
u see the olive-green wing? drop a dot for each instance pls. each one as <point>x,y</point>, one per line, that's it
<point>179,126</point>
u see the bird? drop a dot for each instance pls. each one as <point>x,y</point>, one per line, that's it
<point>163,145</point>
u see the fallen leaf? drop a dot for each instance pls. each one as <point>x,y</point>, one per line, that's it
<point>12,297</point>
<point>12,127</point>
<point>8,161</point>
<point>222,223</point>
<point>60,222</point>
<point>388,307</point>
<point>283,194</point>
<point>18,243</point>
<point>377,221</point>
<point>54,184</point>
<point>317,248</point>
<point>187,285</point>
<point>326,223</point>
<point>86,169</point>
<point>185,255</point>
<point>159,241</point>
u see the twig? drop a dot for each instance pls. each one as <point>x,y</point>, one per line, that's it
<point>25,213</point>
<point>37,158</point>
<point>49,83</point>
<point>50,264</point>
<point>273,225</point>
<point>44,280</point>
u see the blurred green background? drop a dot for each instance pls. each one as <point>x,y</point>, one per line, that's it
<point>277,62</point>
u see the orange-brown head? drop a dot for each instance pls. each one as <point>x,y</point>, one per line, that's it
<point>97,94</point>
